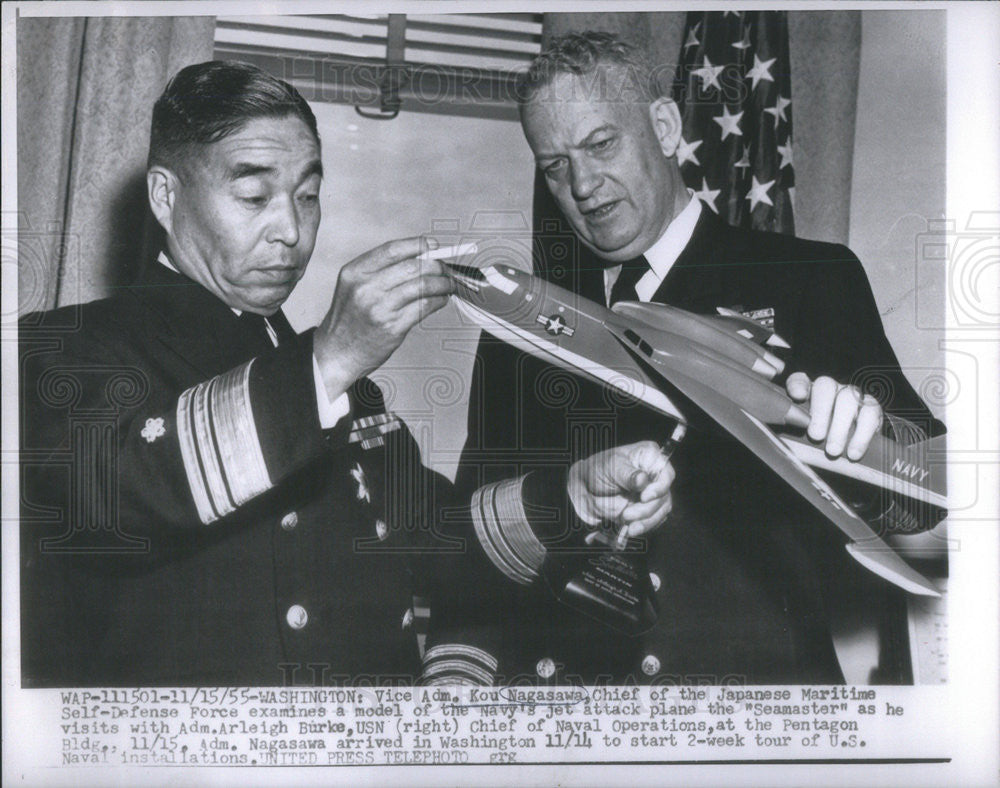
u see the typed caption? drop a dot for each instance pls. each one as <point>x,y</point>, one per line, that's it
<point>463,725</point>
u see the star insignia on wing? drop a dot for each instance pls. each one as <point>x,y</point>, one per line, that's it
<point>827,495</point>
<point>730,124</point>
<point>555,325</point>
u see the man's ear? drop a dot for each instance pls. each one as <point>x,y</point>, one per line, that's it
<point>161,186</point>
<point>666,120</point>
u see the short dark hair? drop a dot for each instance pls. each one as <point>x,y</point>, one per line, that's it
<point>582,54</point>
<point>207,102</point>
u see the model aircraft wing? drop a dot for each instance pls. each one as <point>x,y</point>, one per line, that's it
<point>552,324</point>
<point>868,549</point>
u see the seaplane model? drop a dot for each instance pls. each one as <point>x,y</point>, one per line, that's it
<point>720,363</point>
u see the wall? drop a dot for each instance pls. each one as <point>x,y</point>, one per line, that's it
<point>898,184</point>
<point>456,178</point>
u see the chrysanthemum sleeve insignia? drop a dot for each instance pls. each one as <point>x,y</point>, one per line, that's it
<point>154,429</point>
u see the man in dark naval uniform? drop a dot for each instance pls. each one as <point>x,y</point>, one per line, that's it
<point>210,498</point>
<point>740,568</point>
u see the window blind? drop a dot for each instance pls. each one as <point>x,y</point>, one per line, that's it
<point>443,62</point>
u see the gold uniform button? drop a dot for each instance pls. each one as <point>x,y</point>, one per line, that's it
<point>290,520</point>
<point>654,580</point>
<point>381,530</point>
<point>650,665</point>
<point>545,668</point>
<point>297,617</point>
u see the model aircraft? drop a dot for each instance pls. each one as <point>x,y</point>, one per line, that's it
<point>722,365</point>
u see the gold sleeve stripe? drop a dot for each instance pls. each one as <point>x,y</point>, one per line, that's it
<point>461,650</point>
<point>220,447</point>
<point>504,532</point>
<point>449,681</point>
<point>239,444</point>
<point>456,663</point>
<point>456,671</point>
<point>905,432</point>
<point>200,416</point>
<point>193,466</point>
<point>488,531</point>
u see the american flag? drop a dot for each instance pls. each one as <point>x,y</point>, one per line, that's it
<point>735,95</point>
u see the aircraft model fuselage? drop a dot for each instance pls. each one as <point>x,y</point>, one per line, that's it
<point>720,363</point>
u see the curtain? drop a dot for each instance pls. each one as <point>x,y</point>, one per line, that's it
<point>824,48</point>
<point>85,93</point>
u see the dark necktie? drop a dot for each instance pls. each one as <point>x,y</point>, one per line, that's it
<point>255,327</point>
<point>624,286</point>
<point>282,328</point>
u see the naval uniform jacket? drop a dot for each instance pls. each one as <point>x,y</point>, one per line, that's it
<point>185,520</point>
<point>741,565</point>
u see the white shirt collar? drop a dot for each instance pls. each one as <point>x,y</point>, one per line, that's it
<point>662,255</point>
<point>162,259</point>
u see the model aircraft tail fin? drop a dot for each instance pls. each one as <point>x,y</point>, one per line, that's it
<point>749,328</point>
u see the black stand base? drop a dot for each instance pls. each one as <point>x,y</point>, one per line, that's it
<point>609,586</point>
